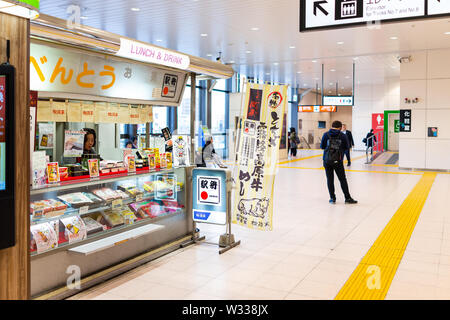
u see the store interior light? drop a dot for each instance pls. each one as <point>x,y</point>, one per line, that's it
<point>135,9</point>
<point>255,29</point>
<point>19,9</point>
<point>340,42</point>
<point>292,47</point>
<point>393,38</point>
<point>204,35</point>
<point>447,33</point>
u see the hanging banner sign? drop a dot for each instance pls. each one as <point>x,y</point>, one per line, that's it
<point>405,120</point>
<point>332,14</point>
<point>64,70</point>
<point>146,53</point>
<point>257,155</point>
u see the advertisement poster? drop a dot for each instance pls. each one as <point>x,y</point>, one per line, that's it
<point>53,172</point>
<point>257,156</point>
<point>181,151</point>
<point>38,167</point>
<point>73,143</point>
<point>93,168</point>
<point>46,135</point>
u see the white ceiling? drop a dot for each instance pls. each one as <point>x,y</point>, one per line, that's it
<point>178,25</point>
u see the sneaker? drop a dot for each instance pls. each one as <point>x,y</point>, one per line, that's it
<point>332,201</point>
<point>351,201</point>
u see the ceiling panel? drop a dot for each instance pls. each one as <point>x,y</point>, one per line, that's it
<point>177,24</point>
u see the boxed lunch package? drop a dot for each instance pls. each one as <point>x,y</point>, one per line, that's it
<point>43,237</point>
<point>47,208</point>
<point>73,228</point>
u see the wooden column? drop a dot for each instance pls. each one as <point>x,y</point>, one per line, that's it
<point>15,261</point>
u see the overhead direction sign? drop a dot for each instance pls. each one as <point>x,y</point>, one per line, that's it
<point>338,101</point>
<point>317,109</point>
<point>326,14</point>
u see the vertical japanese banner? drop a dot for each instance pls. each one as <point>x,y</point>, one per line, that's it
<point>257,155</point>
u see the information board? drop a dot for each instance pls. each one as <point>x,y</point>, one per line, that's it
<point>405,120</point>
<point>338,101</point>
<point>320,14</point>
<point>209,196</point>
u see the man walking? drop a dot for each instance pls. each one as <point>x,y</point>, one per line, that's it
<point>351,143</point>
<point>334,142</point>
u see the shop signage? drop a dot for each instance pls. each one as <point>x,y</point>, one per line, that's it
<point>257,155</point>
<point>405,120</point>
<point>317,109</point>
<point>319,14</point>
<point>146,53</point>
<point>209,196</point>
<point>377,122</point>
<point>396,126</point>
<point>65,70</point>
<point>338,101</point>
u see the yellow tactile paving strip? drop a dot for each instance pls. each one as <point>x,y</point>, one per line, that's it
<point>372,278</point>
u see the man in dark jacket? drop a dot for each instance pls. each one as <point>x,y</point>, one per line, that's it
<point>338,167</point>
<point>350,141</point>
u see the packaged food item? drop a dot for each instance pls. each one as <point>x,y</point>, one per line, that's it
<point>74,229</point>
<point>92,226</point>
<point>63,172</point>
<point>53,172</point>
<point>76,170</point>
<point>43,237</point>
<point>76,200</point>
<point>122,194</point>
<point>172,205</point>
<point>163,161</point>
<point>152,209</point>
<point>149,186</point>
<point>47,209</point>
<point>128,216</point>
<point>113,218</point>
<point>93,198</point>
<point>169,160</point>
<point>107,194</point>
<point>130,189</point>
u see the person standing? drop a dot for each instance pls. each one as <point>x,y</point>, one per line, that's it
<point>370,139</point>
<point>351,143</point>
<point>293,142</point>
<point>334,143</point>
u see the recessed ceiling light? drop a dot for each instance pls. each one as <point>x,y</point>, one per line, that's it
<point>393,38</point>
<point>158,40</point>
<point>268,74</point>
<point>314,61</point>
<point>84,18</point>
<point>292,47</point>
<point>340,42</point>
<point>331,83</point>
<point>347,77</point>
<point>231,61</point>
<point>299,72</point>
<point>135,9</point>
<point>275,63</point>
<point>255,29</point>
<point>355,58</point>
<point>248,51</point>
<point>209,55</point>
<point>204,35</point>
<point>333,70</point>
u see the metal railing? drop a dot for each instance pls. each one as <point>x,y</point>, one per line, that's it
<point>303,141</point>
<point>374,143</point>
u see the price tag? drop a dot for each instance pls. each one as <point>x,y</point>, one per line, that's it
<point>117,204</point>
<point>84,210</point>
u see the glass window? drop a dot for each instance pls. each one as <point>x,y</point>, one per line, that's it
<point>218,108</point>
<point>160,120</point>
<point>184,111</point>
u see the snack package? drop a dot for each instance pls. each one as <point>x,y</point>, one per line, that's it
<point>122,194</point>
<point>93,198</point>
<point>92,226</point>
<point>43,237</point>
<point>107,194</point>
<point>172,205</point>
<point>47,209</point>
<point>128,216</point>
<point>153,209</point>
<point>149,186</point>
<point>75,200</point>
<point>63,172</point>
<point>135,206</point>
<point>113,219</point>
<point>74,229</point>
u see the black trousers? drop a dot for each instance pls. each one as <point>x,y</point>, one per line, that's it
<point>294,152</point>
<point>347,154</point>
<point>340,172</point>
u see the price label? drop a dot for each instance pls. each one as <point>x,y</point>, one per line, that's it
<point>84,210</point>
<point>117,204</point>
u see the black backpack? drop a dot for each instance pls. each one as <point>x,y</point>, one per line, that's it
<point>333,152</point>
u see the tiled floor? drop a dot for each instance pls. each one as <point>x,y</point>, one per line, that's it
<point>314,247</point>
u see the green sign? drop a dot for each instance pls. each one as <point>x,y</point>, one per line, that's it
<point>396,126</point>
<point>33,3</point>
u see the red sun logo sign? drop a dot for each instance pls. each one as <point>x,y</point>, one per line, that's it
<point>204,195</point>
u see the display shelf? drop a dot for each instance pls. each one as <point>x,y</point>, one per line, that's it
<point>64,244</point>
<point>117,239</point>
<point>85,182</point>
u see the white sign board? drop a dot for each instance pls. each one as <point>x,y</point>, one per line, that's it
<point>208,191</point>
<point>338,101</point>
<point>317,14</point>
<point>147,53</point>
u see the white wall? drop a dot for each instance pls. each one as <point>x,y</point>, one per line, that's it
<point>373,98</point>
<point>426,77</point>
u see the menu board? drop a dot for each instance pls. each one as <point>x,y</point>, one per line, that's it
<point>2,133</point>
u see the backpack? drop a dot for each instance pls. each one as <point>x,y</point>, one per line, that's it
<point>333,152</point>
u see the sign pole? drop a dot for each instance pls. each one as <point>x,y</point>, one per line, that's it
<point>228,239</point>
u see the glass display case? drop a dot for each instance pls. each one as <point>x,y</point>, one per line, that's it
<point>91,215</point>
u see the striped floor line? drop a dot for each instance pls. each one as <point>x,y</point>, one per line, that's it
<point>360,171</point>
<point>372,278</point>
<point>300,159</point>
